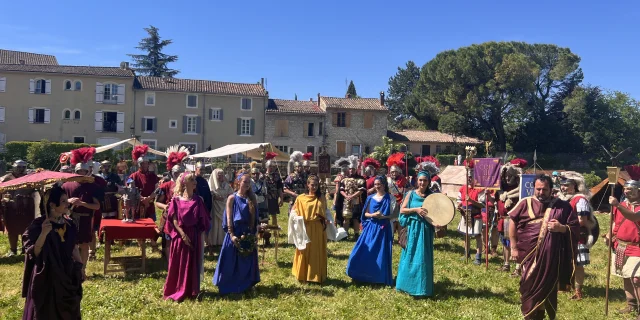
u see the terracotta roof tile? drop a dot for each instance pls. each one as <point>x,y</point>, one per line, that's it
<point>15,57</point>
<point>80,70</point>
<point>294,106</point>
<point>352,103</point>
<point>428,136</point>
<point>200,86</point>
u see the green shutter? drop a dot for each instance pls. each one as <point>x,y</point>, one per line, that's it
<point>253,126</point>
<point>239,126</point>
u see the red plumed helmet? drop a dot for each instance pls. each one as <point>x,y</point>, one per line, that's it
<point>82,155</point>
<point>396,160</point>
<point>139,151</point>
<point>430,159</point>
<point>270,155</point>
<point>307,156</point>
<point>633,171</point>
<point>371,162</point>
<point>519,162</point>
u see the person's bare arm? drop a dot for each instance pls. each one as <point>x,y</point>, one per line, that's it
<point>159,204</point>
<point>630,215</point>
<point>513,238</point>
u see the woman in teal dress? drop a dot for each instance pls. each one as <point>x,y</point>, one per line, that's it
<point>415,271</point>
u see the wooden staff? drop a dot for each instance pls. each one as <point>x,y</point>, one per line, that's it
<point>486,238</point>
<point>467,248</point>
<point>612,172</point>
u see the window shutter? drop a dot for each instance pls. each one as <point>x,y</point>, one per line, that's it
<point>47,87</point>
<point>3,84</point>
<point>120,123</point>
<point>98,120</point>
<point>184,124</point>
<point>31,114</point>
<point>305,129</point>
<point>2,114</point>
<point>121,89</point>
<point>155,125</point>
<point>347,121</point>
<point>32,86</point>
<point>143,126</point>
<point>99,92</point>
<point>198,124</point>
<point>221,114</point>
<point>368,120</point>
<point>210,114</point>
<point>286,128</point>
<point>253,127</point>
<point>239,126</point>
<point>334,119</point>
<point>47,115</point>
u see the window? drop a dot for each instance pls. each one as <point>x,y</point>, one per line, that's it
<point>320,128</point>
<point>215,114</point>
<point>356,149</point>
<point>341,148</point>
<point>109,121</point>
<point>38,116</point>
<point>245,127</point>
<point>192,101</point>
<point>41,86</point>
<point>149,98</point>
<point>341,119</point>
<point>77,114</point>
<point>67,84</point>
<point>284,149</point>
<point>3,84</point>
<point>282,128</point>
<point>151,143</point>
<point>191,124</point>
<point>425,150</point>
<point>66,114</point>
<point>2,111</point>
<point>193,147</point>
<point>78,85</point>
<point>438,149</point>
<point>110,93</point>
<point>246,104</point>
<point>312,149</point>
<point>78,139</point>
<point>149,124</point>
<point>447,150</point>
<point>173,124</point>
<point>310,129</point>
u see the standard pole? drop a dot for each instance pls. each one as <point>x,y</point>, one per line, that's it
<point>486,238</point>
<point>610,247</point>
<point>466,219</point>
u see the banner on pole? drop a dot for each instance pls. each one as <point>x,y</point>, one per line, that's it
<point>527,182</point>
<point>486,173</point>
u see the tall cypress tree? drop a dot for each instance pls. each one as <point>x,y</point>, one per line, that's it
<point>351,91</point>
<point>154,62</point>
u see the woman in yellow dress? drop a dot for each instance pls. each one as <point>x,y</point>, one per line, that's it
<point>310,264</point>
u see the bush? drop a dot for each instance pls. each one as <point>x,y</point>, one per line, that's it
<point>591,179</point>
<point>446,159</point>
<point>45,154</point>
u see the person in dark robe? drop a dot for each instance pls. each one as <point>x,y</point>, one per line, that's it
<point>100,185</point>
<point>544,236</point>
<point>202,187</point>
<point>18,208</point>
<point>147,182</point>
<point>53,273</point>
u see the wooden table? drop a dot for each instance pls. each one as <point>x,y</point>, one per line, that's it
<point>115,229</point>
<point>275,233</point>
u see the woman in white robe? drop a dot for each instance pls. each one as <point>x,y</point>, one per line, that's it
<point>221,189</point>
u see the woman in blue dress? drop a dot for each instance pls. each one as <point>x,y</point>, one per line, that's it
<point>415,270</point>
<point>237,270</point>
<point>371,258</point>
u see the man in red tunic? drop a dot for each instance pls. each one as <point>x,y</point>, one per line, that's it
<point>146,181</point>
<point>544,232</point>
<point>474,229</point>
<point>370,168</point>
<point>18,210</point>
<point>626,242</point>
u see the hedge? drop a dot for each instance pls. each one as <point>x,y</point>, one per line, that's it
<point>446,159</point>
<point>45,154</point>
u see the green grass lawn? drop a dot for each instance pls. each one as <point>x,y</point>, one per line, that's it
<point>462,291</point>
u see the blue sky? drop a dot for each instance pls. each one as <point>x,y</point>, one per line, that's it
<point>309,47</point>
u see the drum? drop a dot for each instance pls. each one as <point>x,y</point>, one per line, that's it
<point>440,209</point>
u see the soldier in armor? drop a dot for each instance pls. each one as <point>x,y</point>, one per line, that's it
<point>397,182</point>
<point>18,207</point>
<point>371,166</point>
<point>274,186</point>
<point>294,185</point>
<point>306,165</point>
<point>354,194</point>
<point>66,169</point>
<point>259,188</point>
<point>146,182</point>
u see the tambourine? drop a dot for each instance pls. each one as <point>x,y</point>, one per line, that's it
<point>64,158</point>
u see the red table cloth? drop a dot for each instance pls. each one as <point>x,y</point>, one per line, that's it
<point>117,230</point>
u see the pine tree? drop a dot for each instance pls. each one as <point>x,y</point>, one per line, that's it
<point>351,91</point>
<point>154,63</point>
<point>296,97</point>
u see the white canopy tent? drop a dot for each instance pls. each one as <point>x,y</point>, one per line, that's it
<point>252,150</point>
<point>131,141</point>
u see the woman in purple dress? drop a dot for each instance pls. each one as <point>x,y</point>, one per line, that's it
<point>237,268</point>
<point>53,272</point>
<point>187,219</point>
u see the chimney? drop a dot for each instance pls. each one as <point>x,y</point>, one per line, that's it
<point>318,99</point>
<point>262,82</point>
<point>382,98</point>
<point>348,95</point>
<point>310,99</point>
<point>124,65</point>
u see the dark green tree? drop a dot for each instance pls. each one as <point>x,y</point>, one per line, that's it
<point>351,91</point>
<point>154,62</point>
<point>496,86</point>
<point>402,103</point>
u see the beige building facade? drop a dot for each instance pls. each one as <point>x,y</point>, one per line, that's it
<point>430,142</point>
<point>293,125</point>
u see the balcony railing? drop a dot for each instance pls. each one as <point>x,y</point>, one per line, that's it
<point>110,99</point>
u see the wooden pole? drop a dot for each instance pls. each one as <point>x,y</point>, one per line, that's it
<point>467,247</point>
<point>609,249</point>
<point>486,232</point>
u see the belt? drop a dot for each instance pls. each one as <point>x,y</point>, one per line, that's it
<point>627,243</point>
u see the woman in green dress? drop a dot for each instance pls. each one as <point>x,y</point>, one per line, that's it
<point>415,271</point>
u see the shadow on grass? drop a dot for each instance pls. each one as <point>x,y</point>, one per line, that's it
<point>600,292</point>
<point>273,291</point>
<point>339,256</point>
<point>285,264</point>
<point>155,269</point>
<point>445,289</point>
<point>12,260</point>
<point>449,247</point>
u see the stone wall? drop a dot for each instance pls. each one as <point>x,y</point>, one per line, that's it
<point>295,138</point>
<point>356,134</point>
